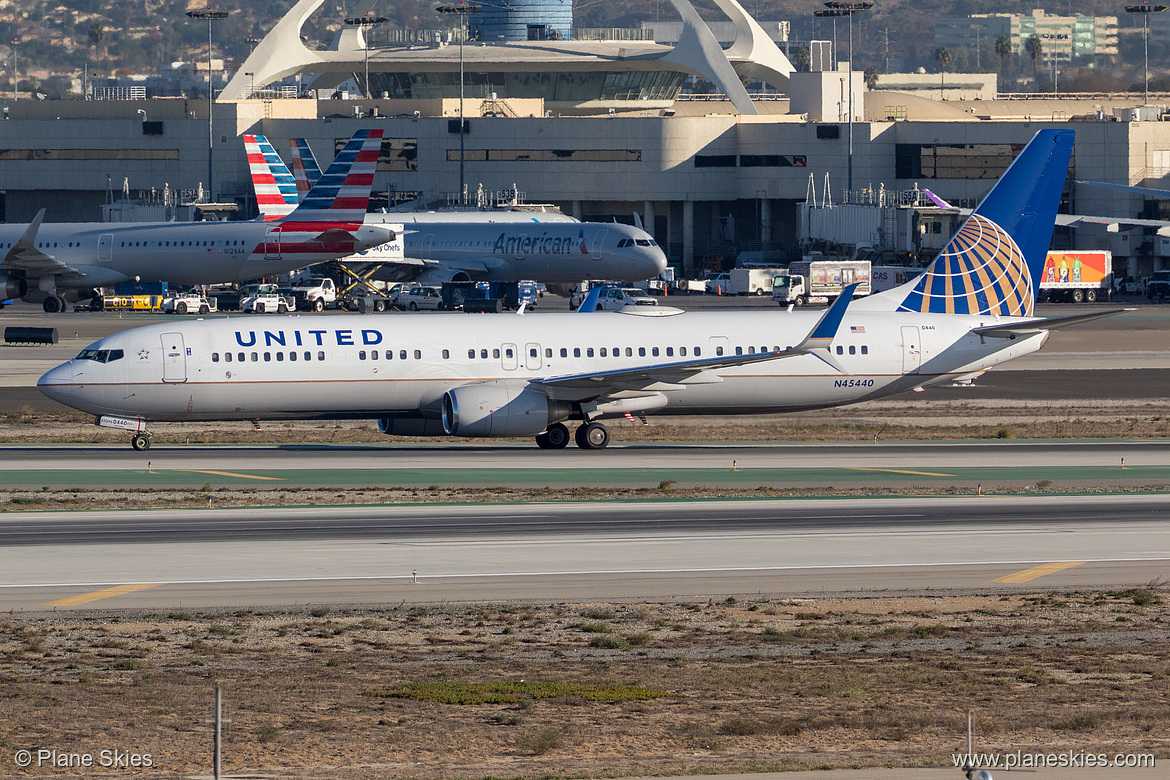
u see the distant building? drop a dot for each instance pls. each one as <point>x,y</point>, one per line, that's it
<point>1064,38</point>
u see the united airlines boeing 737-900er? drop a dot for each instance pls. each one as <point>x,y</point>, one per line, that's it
<point>495,375</point>
<point>439,247</point>
<point>60,262</point>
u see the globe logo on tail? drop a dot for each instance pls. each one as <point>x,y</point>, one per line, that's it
<point>981,271</point>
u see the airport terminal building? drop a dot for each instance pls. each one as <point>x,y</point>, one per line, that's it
<point>600,129</point>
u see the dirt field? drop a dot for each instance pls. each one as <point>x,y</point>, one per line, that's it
<point>593,690</point>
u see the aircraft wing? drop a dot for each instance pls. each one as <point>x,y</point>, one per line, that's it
<point>25,256</point>
<point>673,375</point>
<point>1032,327</point>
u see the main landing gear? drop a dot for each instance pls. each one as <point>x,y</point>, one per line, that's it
<point>140,441</point>
<point>54,304</point>
<point>589,436</point>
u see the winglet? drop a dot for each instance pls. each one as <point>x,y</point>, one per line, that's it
<point>825,330</point>
<point>28,239</point>
<point>591,300</point>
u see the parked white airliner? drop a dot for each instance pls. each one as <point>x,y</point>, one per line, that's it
<point>492,375</point>
<point>58,262</point>
<point>442,247</point>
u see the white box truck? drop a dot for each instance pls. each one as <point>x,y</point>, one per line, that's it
<point>753,281</point>
<point>819,281</point>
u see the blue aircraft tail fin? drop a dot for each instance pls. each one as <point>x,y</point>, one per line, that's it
<point>994,263</point>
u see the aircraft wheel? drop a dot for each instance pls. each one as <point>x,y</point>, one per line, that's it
<point>555,438</point>
<point>140,441</point>
<point>282,309</point>
<point>413,306</point>
<point>592,436</point>
<point>203,309</point>
<point>52,305</point>
<point>181,307</point>
<point>1091,296</point>
<point>318,305</point>
<point>258,308</point>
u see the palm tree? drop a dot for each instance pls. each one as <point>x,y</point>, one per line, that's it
<point>871,78</point>
<point>943,57</point>
<point>801,58</point>
<point>1034,48</point>
<point>97,34</point>
<point>1003,47</point>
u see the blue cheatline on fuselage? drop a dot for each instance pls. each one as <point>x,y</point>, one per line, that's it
<point>993,264</point>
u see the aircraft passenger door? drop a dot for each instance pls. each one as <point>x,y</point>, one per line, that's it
<point>428,243</point>
<point>174,358</point>
<point>911,350</point>
<point>105,247</point>
<point>532,359</point>
<point>272,243</point>
<point>510,358</point>
<point>598,243</point>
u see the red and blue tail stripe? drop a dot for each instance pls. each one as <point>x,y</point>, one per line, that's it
<point>343,191</point>
<point>305,169</point>
<point>276,190</point>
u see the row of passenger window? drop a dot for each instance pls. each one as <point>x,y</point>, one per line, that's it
<point>242,357</point>
<point>483,354</point>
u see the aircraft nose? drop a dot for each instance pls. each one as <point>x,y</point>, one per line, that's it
<point>658,258</point>
<point>57,383</point>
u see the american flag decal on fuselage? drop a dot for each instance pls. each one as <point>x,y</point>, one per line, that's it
<point>980,271</point>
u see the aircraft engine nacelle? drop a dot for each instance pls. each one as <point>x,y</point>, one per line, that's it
<point>12,288</point>
<point>410,426</point>
<point>440,276</point>
<point>490,409</point>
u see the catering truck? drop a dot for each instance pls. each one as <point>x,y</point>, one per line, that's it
<point>753,281</point>
<point>1076,277</point>
<point>819,281</point>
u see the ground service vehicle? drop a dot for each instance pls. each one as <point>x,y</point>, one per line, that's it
<point>1075,277</point>
<point>418,296</point>
<point>887,277</point>
<point>130,302</point>
<point>317,294</point>
<point>614,298</point>
<point>753,281</point>
<point>1158,288</point>
<point>716,283</point>
<point>188,303</point>
<point>266,299</point>
<point>820,281</point>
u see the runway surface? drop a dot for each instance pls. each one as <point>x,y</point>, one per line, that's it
<point>579,552</point>
<point>1068,464</point>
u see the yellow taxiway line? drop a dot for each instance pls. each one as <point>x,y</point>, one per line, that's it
<point>901,471</point>
<point>1036,572</point>
<point>232,474</point>
<point>85,598</point>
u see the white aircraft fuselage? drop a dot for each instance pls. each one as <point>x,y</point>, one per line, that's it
<point>399,368</point>
<point>182,253</point>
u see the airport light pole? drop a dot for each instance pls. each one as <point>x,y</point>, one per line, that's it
<point>366,22</point>
<point>847,8</point>
<point>1145,9</point>
<point>462,9</point>
<point>210,15</point>
<point>15,72</point>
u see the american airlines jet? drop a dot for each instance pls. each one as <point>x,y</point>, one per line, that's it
<point>532,375</point>
<point>471,246</point>
<point>62,261</point>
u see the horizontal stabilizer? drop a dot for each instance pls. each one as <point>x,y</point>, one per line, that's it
<point>1032,327</point>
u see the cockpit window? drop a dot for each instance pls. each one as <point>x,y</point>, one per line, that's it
<point>642,242</point>
<point>625,242</point>
<point>101,355</point>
